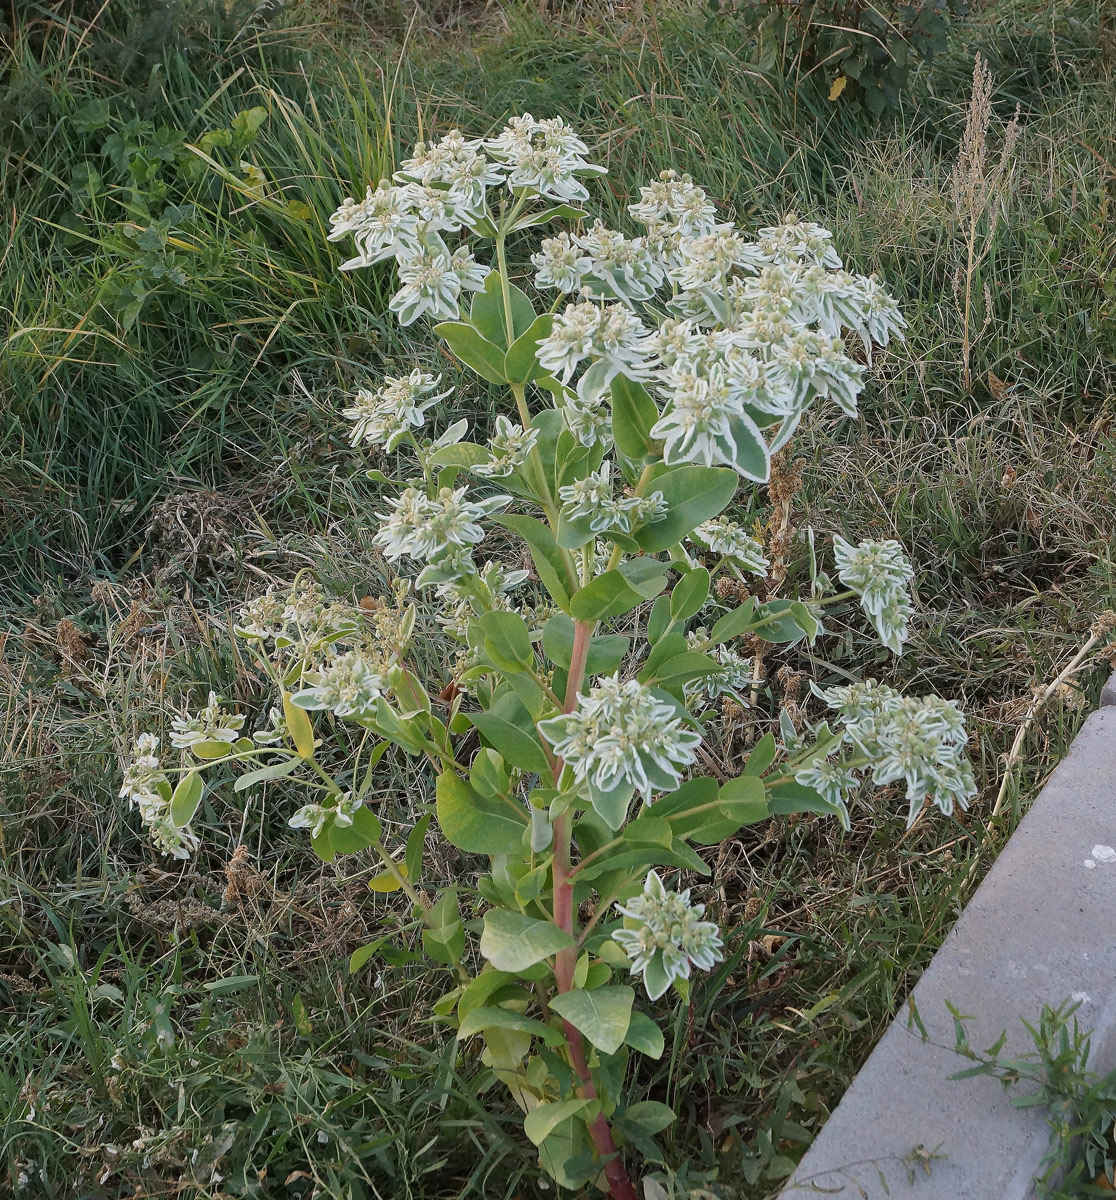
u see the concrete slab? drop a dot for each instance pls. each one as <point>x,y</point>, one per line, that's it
<point>1108,692</point>
<point>1038,931</point>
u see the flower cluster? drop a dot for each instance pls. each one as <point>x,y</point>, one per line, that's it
<point>348,686</point>
<point>664,936</point>
<point>146,787</point>
<point>429,529</point>
<point>727,539</point>
<point>880,575</point>
<point>591,499</point>
<point>621,736</point>
<point>213,724</point>
<point>395,409</point>
<point>440,190</point>
<point>511,445</point>
<point>302,618</point>
<point>917,740</point>
<point>734,677</point>
<point>316,817</point>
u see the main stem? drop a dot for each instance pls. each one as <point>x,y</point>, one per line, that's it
<point>619,1185</point>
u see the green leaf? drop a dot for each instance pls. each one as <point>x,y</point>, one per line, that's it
<point>605,651</point>
<point>521,363</point>
<point>791,797</point>
<point>507,640</point>
<point>299,727</point>
<point>751,454</point>
<point>734,624</point>
<point>363,953</point>
<point>543,1119</point>
<point>689,594</point>
<point>611,806</point>
<point>805,620</point>
<point>665,648</point>
<point>513,941</point>
<point>443,939</point>
<point>606,596</point>
<point>487,312</point>
<point>602,1015</point>
<point>416,842</point>
<point>644,1035</point>
<point>275,770</point>
<point>474,824</point>
<point>548,214</point>
<point>741,801</point>
<point>349,839</point>
<point>477,1020</point>
<point>649,1116</point>
<point>762,755</point>
<point>658,622</point>
<point>186,798</point>
<point>784,628</point>
<point>459,454</point>
<point>230,984</point>
<point>551,564</point>
<point>508,728</point>
<point>617,591</point>
<point>466,343</point>
<point>693,494</point>
<point>650,830</point>
<point>633,415</point>
<point>211,750</point>
<point>681,668</point>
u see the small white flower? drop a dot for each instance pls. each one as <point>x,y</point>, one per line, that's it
<point>622,735</point>
<point>665,938</point>
<point>880,575</point>
<point>383,225</point>
<point>734,677</point>
<point>609,332</point>
<point>559,264</point>
<point>511,445</point>
<point>212,724</point>
<point>395,409</point>
<point>425,528</point>
<point>919,741</point>
<point>430,284</point>
<point>726,538</point>
<point>349,686</point>
<point>674,204</point>
<point>316,817</point>
<point>798,241</point>
<point>544,157</point>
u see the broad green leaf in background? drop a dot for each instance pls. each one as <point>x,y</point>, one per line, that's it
<point>602,1015</point>
<point>475,824</point>
<point>513,941</point>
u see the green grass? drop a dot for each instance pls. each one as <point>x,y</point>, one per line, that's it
<point>169,440</point>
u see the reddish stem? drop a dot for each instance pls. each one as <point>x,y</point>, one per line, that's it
<point>619,1185</point>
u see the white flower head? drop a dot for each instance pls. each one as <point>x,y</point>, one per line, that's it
<point>395,409</point>
<point>798,241</point>
<point>880,574</point>
<point>425,528</point>
<point>729,540</point>
<point>592,331</point>
<point>622,735</point>
<point>212,724</point>
<point>317,817</point>
<point>919,741</point>
<point>383,225</point>
<point>665,938</point>
<point>348,686</point>
<point>543,157</point>
<point>559,264</point>
<point>511,445</point>
<point>674,204</point>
